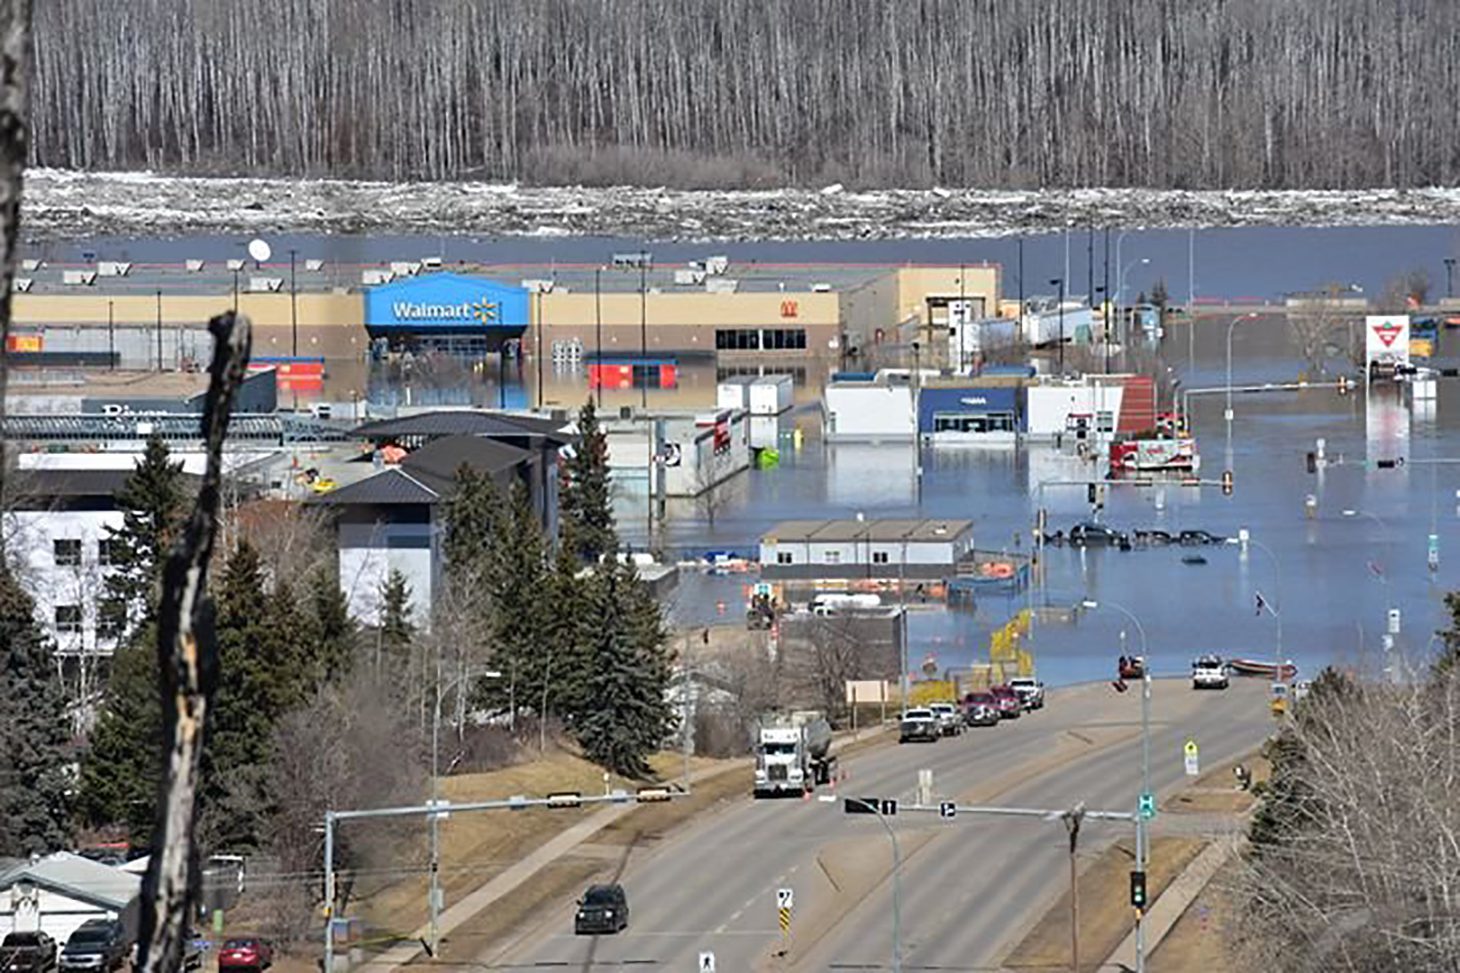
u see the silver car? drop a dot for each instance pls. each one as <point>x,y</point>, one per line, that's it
<point>950,721</point>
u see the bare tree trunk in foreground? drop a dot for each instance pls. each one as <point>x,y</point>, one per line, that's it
<point>15,20</point>
<point>187,659</point>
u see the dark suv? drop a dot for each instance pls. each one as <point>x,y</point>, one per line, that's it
<point>603,908</point>
<point>97,946</point>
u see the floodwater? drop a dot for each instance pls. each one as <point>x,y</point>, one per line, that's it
<point>1332,576</point>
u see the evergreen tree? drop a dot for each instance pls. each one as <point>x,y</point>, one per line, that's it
<point>152,508</point>
<point>472,518</point>
<point>253,685</point>
<point>516,575</point>
<point>396,630</point>
<point>585,498</point>
<point>330,627</point>
<point>564,636</point>
<point>621,716</point>
<point>33,731</point>
<point>122,765</point>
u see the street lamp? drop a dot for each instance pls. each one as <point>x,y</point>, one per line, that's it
<point>433,896</point>
<point>1091,605</point>
<point>872,808</point>
<point>1059,282</point>
<point>1449,276</point>
<point>1241,317</point>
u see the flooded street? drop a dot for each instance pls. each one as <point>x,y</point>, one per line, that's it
<point>1332,577</point>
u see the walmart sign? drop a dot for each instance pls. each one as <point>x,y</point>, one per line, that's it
<point>445,304</point>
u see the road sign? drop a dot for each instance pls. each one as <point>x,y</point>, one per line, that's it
<point>785,898</point>
<point>707,963</point>
<point>441,803</point>
<point>785,921</point>
<point>947,809</point>
<point>889,806</point>
<point>1193,765</point>
<point>1146,807</point>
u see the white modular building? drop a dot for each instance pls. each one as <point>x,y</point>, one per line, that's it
<point>871,549</point>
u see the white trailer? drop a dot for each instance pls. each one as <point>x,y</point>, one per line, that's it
<point>770,395</point>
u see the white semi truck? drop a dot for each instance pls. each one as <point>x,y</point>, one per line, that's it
<point>792,753</point>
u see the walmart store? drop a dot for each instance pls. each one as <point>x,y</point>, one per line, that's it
<point>154,316</point>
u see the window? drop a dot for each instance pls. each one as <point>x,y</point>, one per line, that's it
<point>111,618</point>
<point>737,339</point>
<point>783,557</point>
<point>833,557</point>
<point>104,551</point>
<point>973,422</point>
<point>68,618</point>
<point>879,557</point>
<point>67,552</point>
<point>783,339</point>
<point>1105,422</point>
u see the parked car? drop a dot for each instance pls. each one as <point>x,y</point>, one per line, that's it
<point>245,953</point>
<point>1209,672</point>
<point>1153,538</point>
<point>1029,690</point>
<point>1009,704</point>
<point>949,718</point>
<point>980,709</point>
<point>1097,535</point>
<point>28,952</point>
<point>96,945</point>
<point>919,724</point>
<point>603,908</point>
<point>1196,538</point>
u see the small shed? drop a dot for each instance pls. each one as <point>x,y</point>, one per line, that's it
<point>58,893</point>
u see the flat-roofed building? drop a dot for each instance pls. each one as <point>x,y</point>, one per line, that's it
<point>874,549</point>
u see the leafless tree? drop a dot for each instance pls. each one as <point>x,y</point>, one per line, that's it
<point>1320,324</point>
<point>15,129</point>
<point>710,93</point>
<point>1356,849</point>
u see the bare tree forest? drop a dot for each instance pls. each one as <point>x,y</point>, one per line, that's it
<point>1161,93</point>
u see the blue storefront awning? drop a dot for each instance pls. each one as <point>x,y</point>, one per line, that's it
<point>446,303</point>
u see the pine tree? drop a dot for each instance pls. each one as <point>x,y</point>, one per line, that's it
<point>122,765</point>
<point>330,627</point>
<point>33,731</point>
<point>471,517</point>
<point>586,494</point>
<point>152,508</point>
<point>396,630</point>
<point>621,715</point>
<point>515,579</point>
<point>252,689</point>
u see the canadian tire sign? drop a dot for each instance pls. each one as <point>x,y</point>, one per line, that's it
<point>1386,339</point>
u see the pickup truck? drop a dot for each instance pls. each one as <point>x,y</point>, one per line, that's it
<point>1209,672</point>
<point>949,718</point>
<point>919,724</point>
<point>28,952</point>
<point>1029,690</point>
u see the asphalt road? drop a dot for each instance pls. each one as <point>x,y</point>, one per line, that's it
<point>970,887</point>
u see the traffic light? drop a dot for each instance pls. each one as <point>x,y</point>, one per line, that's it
<point>1138,890</point>
<point>1090,494</point>
<point>1312,462</point>
<point>1226,483</point>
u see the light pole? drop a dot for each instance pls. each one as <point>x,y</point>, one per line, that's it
<point>896,879</point>
<point>1277,613</point>
<point>1091,605</point>
<point>643,332</point>
<point>598,335</point>
<point>1228,415</point>
<point>1120,282</point>
<point>433,896</point>
<point>1059,283</point>
<point>1449,276</point>
<point>293,306</point>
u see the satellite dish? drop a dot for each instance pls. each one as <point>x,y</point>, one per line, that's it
<point>260,250</point>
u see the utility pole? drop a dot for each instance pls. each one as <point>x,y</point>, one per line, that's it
<point>1072,824</point>
<point>538,328</point>
<point>111,335</point>
<point>159,330</point>
<point>1449,276</point>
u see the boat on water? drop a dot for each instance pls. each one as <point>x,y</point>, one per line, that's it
<point>1269,670</point>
